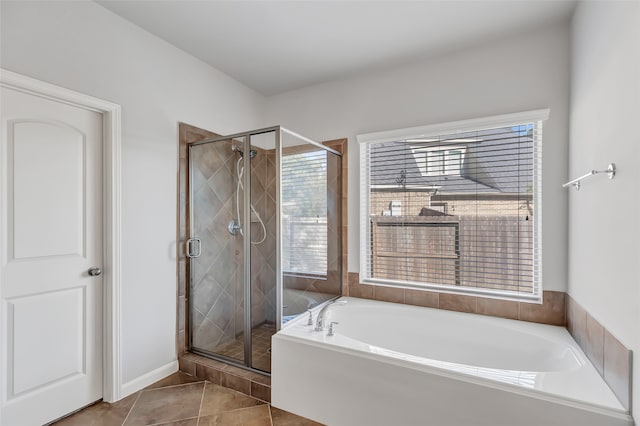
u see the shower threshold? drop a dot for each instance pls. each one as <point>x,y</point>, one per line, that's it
<point>233,352</point>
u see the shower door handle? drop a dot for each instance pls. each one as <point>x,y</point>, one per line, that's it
<point>191,242</point>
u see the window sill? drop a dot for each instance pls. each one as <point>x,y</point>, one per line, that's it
<point>322,277</point>
<point>458,290</point>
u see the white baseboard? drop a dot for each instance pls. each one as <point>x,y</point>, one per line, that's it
<point>146,379</point>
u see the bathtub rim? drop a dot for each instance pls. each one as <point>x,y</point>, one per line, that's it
<point>619,411</point>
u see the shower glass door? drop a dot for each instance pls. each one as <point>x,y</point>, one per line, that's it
<point>233,247</point>
<point>217,261</point>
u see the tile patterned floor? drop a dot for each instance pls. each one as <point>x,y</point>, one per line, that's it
<point>183,400</point>
<point>261,346</point>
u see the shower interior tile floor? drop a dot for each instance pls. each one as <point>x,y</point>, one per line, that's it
<point>260,347</point>
<point>183,400</point>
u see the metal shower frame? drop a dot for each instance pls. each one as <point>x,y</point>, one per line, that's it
<point>245,137</point>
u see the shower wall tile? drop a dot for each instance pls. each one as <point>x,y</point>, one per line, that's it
<point>239,314</point>
<point>197,180</point>
<point>218,256</point>
<point>205,293</point>
<point>221,314</point>
<point>298,283</point>
<point>257,191</point>
<point>207,335</point>
<point>224,265</point>
<point>263,276</point>
<point>205,201</point>
<point>270,208</point>
<point>207,162</point>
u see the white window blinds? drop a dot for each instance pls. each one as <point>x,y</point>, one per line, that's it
<point>471,227</point>
<point>304,212</point>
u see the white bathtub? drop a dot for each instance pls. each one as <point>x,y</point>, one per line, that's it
<point>391,364</point>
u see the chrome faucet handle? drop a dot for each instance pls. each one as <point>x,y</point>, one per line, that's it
<point>310,320</point>
<point>320,318</point>
<point>330,332</point>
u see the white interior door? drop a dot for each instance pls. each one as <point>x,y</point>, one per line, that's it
<point>51,307</point>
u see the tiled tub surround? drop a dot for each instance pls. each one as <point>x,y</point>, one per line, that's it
<point>551,311</point>
<point>611,358</point>
<point>507,372</point>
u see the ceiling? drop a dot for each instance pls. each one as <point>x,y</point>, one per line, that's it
<point>276,46</point>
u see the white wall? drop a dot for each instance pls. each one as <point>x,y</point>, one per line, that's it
<point>604,226</point>
<point>84,47</point>
<point>522,73</point>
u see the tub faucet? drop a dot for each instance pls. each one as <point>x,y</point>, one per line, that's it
<point>323,311</point>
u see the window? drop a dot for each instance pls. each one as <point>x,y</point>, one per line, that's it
<point>452,162</point>
<point>470,195</point>
<point>304,213</point>
<point>437,161</point>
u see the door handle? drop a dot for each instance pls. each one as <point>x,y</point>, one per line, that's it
<point>94,271</point>
<point>191,242</point>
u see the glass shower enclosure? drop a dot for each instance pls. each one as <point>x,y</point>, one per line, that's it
<point>263,220</point>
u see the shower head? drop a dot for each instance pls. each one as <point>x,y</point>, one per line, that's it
<point>252,152</point>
